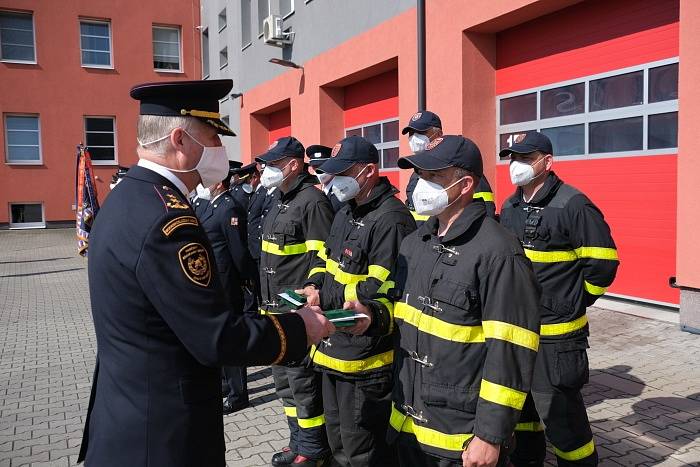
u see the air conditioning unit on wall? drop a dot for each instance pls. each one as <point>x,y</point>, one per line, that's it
<point>273,32</point>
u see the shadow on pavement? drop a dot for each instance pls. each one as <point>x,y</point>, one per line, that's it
<point>42,272</point>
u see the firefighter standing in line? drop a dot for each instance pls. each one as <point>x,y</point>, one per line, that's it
<point>319,154</point>
<point>465,349</point>
<point>293,247</point>
<point>423,128</point>
<point>569,243</point>
<point>361,249</point>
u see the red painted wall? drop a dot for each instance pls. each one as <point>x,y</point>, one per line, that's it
<point>371,100</point>
<point>62,92</point>
<point>636,194</point>
<point>280,125</point>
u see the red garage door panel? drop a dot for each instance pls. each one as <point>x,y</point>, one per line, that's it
<point>638,198</point>
<point>280,124</point>
<point>372,100</point>
<point>592,37</point>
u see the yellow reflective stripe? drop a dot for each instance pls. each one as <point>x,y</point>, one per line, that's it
<point>563,328</point>
<point>316,271</point>
<point>311,422</point>
<point>290,412</point>
<point>342,277</point>
<point>436,327</point>
<point>485,195</point>
<point>286,250</point>
<point>262,312</point>
<point>352,366</point>
<point>350,292</point>
<point>593,252</point>
<point>427,436</point>
<point>593,289</point>
<point>378,272</point>
<point>596,252</point>
<point>550,256</point>
<point>316,245</point>
<point>529,426</point>
<point>511,333</point>
<point>386,286</point>
<point>577,454</point>
<point>419,217</point>
<point>502,395</point>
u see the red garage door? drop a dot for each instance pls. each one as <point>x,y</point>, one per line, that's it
<point>279,124</point>
<point>371,110</point>
<point>601,79</point>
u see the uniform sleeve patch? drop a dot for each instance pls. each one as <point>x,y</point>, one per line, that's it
<point>234,221</point>
<point>194,261</point>
<point>178,222</point>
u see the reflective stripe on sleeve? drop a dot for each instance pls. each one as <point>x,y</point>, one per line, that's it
<point>511,333</point>
<point>502,395</point>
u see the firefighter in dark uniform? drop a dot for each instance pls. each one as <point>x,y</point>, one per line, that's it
<point>361,250</point>
<point>464,300</point>
<point>224,223</point>
<point>162,321</point>
<point>293,248</point>
<point>569,243</point>
<point>422,128</point>
<point>240,189</point>
<point>259,205</point>
<point>319,154</point>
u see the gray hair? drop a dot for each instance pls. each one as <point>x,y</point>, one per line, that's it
<point>461,173</point>
<point>152,127</point>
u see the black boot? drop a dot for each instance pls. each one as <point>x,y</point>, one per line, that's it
<point>285,457</point>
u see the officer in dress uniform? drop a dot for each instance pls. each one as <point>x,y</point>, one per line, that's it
<point>422,128</point>
<point>318,154</point>
<point>261,201</point>
<point>163,324</point>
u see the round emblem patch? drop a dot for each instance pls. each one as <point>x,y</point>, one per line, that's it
<point>519,137</point>
<point>416,116</point>
<point>433,143</point>
<point>336,150</point>
<point>274,143</point>
<point>194,261</point>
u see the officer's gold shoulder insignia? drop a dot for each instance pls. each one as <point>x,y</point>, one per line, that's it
<point>194,261</point>
<point>178,222</point>
<point>174,202</point>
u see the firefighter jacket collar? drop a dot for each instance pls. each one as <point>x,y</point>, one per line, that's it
<point>381,191</point>
<point>551,184</point>
<point>303,180</point>
<point>472,215</point>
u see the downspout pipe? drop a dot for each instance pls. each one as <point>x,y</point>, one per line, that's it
<point>421,53</point>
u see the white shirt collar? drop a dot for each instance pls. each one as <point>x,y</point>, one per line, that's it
<point>160,170</point>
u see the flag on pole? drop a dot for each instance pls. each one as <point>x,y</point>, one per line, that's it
<point>86,202</point>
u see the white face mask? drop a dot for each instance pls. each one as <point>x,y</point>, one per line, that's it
<point>247,187</point>
<point>430,199</point>
<point>212,166</point>
<point>203,193</point>
<point>418,142</point>
<point>522,173</point>
<point>324,178</point>
<point>346,188</point>
<point>272,177</point>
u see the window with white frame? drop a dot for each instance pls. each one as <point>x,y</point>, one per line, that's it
<point>205,53</point>
<point>286,8</point>
<point>166,48</point>
<point>100,139</point>
<point>632,111</point>
<point>22,139</point>
<point>95,44</point>
<point>27,216</point>
<point>384,135</point>
<point>17,37</point>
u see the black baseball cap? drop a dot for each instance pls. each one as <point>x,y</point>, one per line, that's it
<point>199,99</point>
<point>421,121</point>
<point>348,152</point>
<point>246,170</point>
<point>318,154</point>
<point>525,143</point>
<point>446,151</point>
<point>288,146</point>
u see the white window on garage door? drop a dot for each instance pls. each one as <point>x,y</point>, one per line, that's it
<point>627,112</point>
<point>384,134</point>
<point>27,216</point>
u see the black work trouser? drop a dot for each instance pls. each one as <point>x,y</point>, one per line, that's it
<point>237,381</point>
<point>561,370</point>
<point>410,454</point>
<point>299,387</point>
<point>357,418</point>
